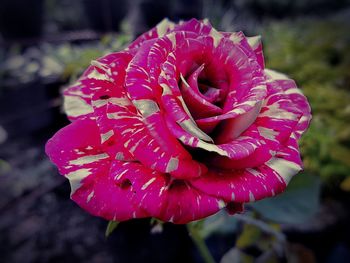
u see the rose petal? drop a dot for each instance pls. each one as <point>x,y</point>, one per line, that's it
<point>236,149</point>
<point>136,138</point>
<point>78,157</point>
<point>232,128</point>
<point>258,157</point>
<point>197,103</point>
<point>280,115</point>
<point>194,25</point>
<point>253,184</point>
<point>185,204</point>
<point>142,186</point>
<point>256,45</point>
<point>296,96</point>
<point>158,31</point>
<point>101,196</point>
<point>77,97</point>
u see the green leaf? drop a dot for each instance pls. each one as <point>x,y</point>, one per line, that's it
<point>112,225</point>
<point>299,202</point>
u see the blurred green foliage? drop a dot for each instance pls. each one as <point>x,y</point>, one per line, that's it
<point>58,61</point>
<point>316,53</point>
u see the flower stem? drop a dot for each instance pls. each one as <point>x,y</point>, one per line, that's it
<point>200,243</point>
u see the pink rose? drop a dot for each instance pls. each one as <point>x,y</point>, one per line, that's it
<point>182,123</point>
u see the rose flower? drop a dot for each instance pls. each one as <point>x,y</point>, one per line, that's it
<point>182,123</point>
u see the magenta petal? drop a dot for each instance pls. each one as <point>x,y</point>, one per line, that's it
<point>258,157</point>
<point>142,186</point>
<point>159,30</point>
<point>296,96</point>
<point>137,81</point>
<point>195,26</point>
<point>197,103</point>
<point>100,195</point>
<point>138,139</point>
<point>77,100</point>
<point>71,149</point>
<point>232,128</point>
<point>79,157</point>
<point>77,97</point>
<point>253,184</point>
<point>281,115</point>
<point>186,204</point>
<point>256,45</point>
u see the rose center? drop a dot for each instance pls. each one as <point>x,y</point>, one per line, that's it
<point>201,93</point>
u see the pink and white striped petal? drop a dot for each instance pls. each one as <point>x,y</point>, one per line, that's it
<point>77,152</point>
<point>251,184</point>
<point>165,26</point>
<point>296,97</point>
<point>185,203</point>
<point>285,111</point>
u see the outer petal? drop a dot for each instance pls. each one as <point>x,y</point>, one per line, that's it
<point>285,111</point>
<point>186,204</point>
<point>77,97</point>
<point>296,96</point>
<point>256,45</point>
<point>159,30</point>
<point>252,184</point>
<point>77,152</point>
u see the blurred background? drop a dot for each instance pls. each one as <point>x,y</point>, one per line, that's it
<point>46,44</point>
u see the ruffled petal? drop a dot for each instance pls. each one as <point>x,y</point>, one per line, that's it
<point>296,97</point>
<point>79,156</point>
<point>77,97</point>
<point>197,103</point>
<point>285,111</point>
<point>158,31</point>
<point>251,184</point>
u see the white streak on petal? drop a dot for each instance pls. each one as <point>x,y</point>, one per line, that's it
<point>76,177</point>
<point>106,136</point>
<point>172,165</point>
<point>146,107</point>
<point>274,75</point>
<point>90,196</point>
<point>148,183</point>
<point>120,101</point>
<point>99,103</point>
<point>235,38</point>
<point>286,169</point>
<point>192,128</point>
<point>221,204</point>
<point>274,111</point>
<point>118,176</point>
<point>75,106</point>
<point>267,133</point>
<point>254,41</point>
<point>163,26</point>
<point>217,36</point>
<point>94,74</point>
<point>99,65</point>
<point>88,159</point>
